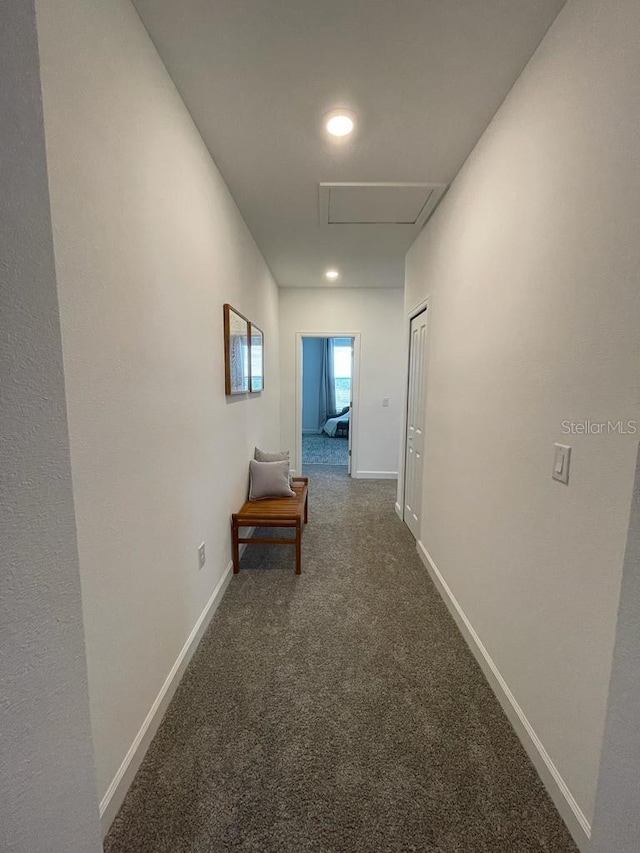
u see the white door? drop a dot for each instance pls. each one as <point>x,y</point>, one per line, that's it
<point>415,423</point>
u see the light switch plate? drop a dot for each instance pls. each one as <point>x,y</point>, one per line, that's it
<point>201,556</point>
<point>561,462</point>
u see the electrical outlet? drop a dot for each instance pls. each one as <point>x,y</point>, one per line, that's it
<point>201,556</point>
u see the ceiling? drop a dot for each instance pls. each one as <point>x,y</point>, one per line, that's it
<point>424,78</point>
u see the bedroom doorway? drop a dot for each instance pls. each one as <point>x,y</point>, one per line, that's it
<point>326,392</point>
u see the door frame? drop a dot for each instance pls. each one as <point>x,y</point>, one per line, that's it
<point>355,395</point>
<point>424,305</point>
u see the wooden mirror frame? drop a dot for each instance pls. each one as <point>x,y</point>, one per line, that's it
<point>229,387</point>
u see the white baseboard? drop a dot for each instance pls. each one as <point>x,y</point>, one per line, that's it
<point>398,509</point>
<point>376,475</point>
<point>114,797</point>
<point>557,788</point>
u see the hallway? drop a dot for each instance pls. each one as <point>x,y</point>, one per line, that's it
<point>336,712</point>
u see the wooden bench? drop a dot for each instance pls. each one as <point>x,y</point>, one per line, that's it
<point>273,512</point>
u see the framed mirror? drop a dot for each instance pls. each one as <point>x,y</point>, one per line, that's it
<point>256,361</point>
<point>236,351</point>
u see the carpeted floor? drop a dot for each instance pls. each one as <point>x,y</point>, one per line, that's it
<point>324,450</point>
<point>338,711</point>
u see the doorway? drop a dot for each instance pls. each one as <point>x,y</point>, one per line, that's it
<point>327,380</point>
<point>414,435</point>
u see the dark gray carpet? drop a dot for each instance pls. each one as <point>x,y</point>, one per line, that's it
<point>336,712</point>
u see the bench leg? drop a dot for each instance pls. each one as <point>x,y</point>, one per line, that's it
<point>298,548</point>
<point>306,509</point>
<point>235,547</point>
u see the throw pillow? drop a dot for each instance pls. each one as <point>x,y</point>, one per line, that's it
<point>269,480</point>
<point>265,456</point>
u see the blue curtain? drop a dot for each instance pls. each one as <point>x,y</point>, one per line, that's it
<point>327,401</point>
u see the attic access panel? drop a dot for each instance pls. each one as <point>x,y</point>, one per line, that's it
<point>408,204</point>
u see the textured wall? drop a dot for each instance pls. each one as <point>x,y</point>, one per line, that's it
<point>377,315</point>
<point>532,264</point>
<point>47,787</point>
<point>149,245</point>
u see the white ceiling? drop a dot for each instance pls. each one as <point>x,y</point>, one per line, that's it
<point>424,78</point>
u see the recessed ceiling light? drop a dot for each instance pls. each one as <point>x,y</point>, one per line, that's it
<point>340,122</point>
<point>332,274</point>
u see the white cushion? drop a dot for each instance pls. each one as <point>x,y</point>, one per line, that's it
<point>269,480</point>
<point>265,456</point>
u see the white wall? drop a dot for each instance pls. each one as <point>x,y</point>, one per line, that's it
<point>312,371</point>
<point>377,315</point>
<point>532,264</point>
<point>48,799</point>
<point>149,244</point>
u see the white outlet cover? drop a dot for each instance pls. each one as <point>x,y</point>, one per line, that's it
<point>201,555</point>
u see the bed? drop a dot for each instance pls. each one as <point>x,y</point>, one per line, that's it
<point>338,424</point>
